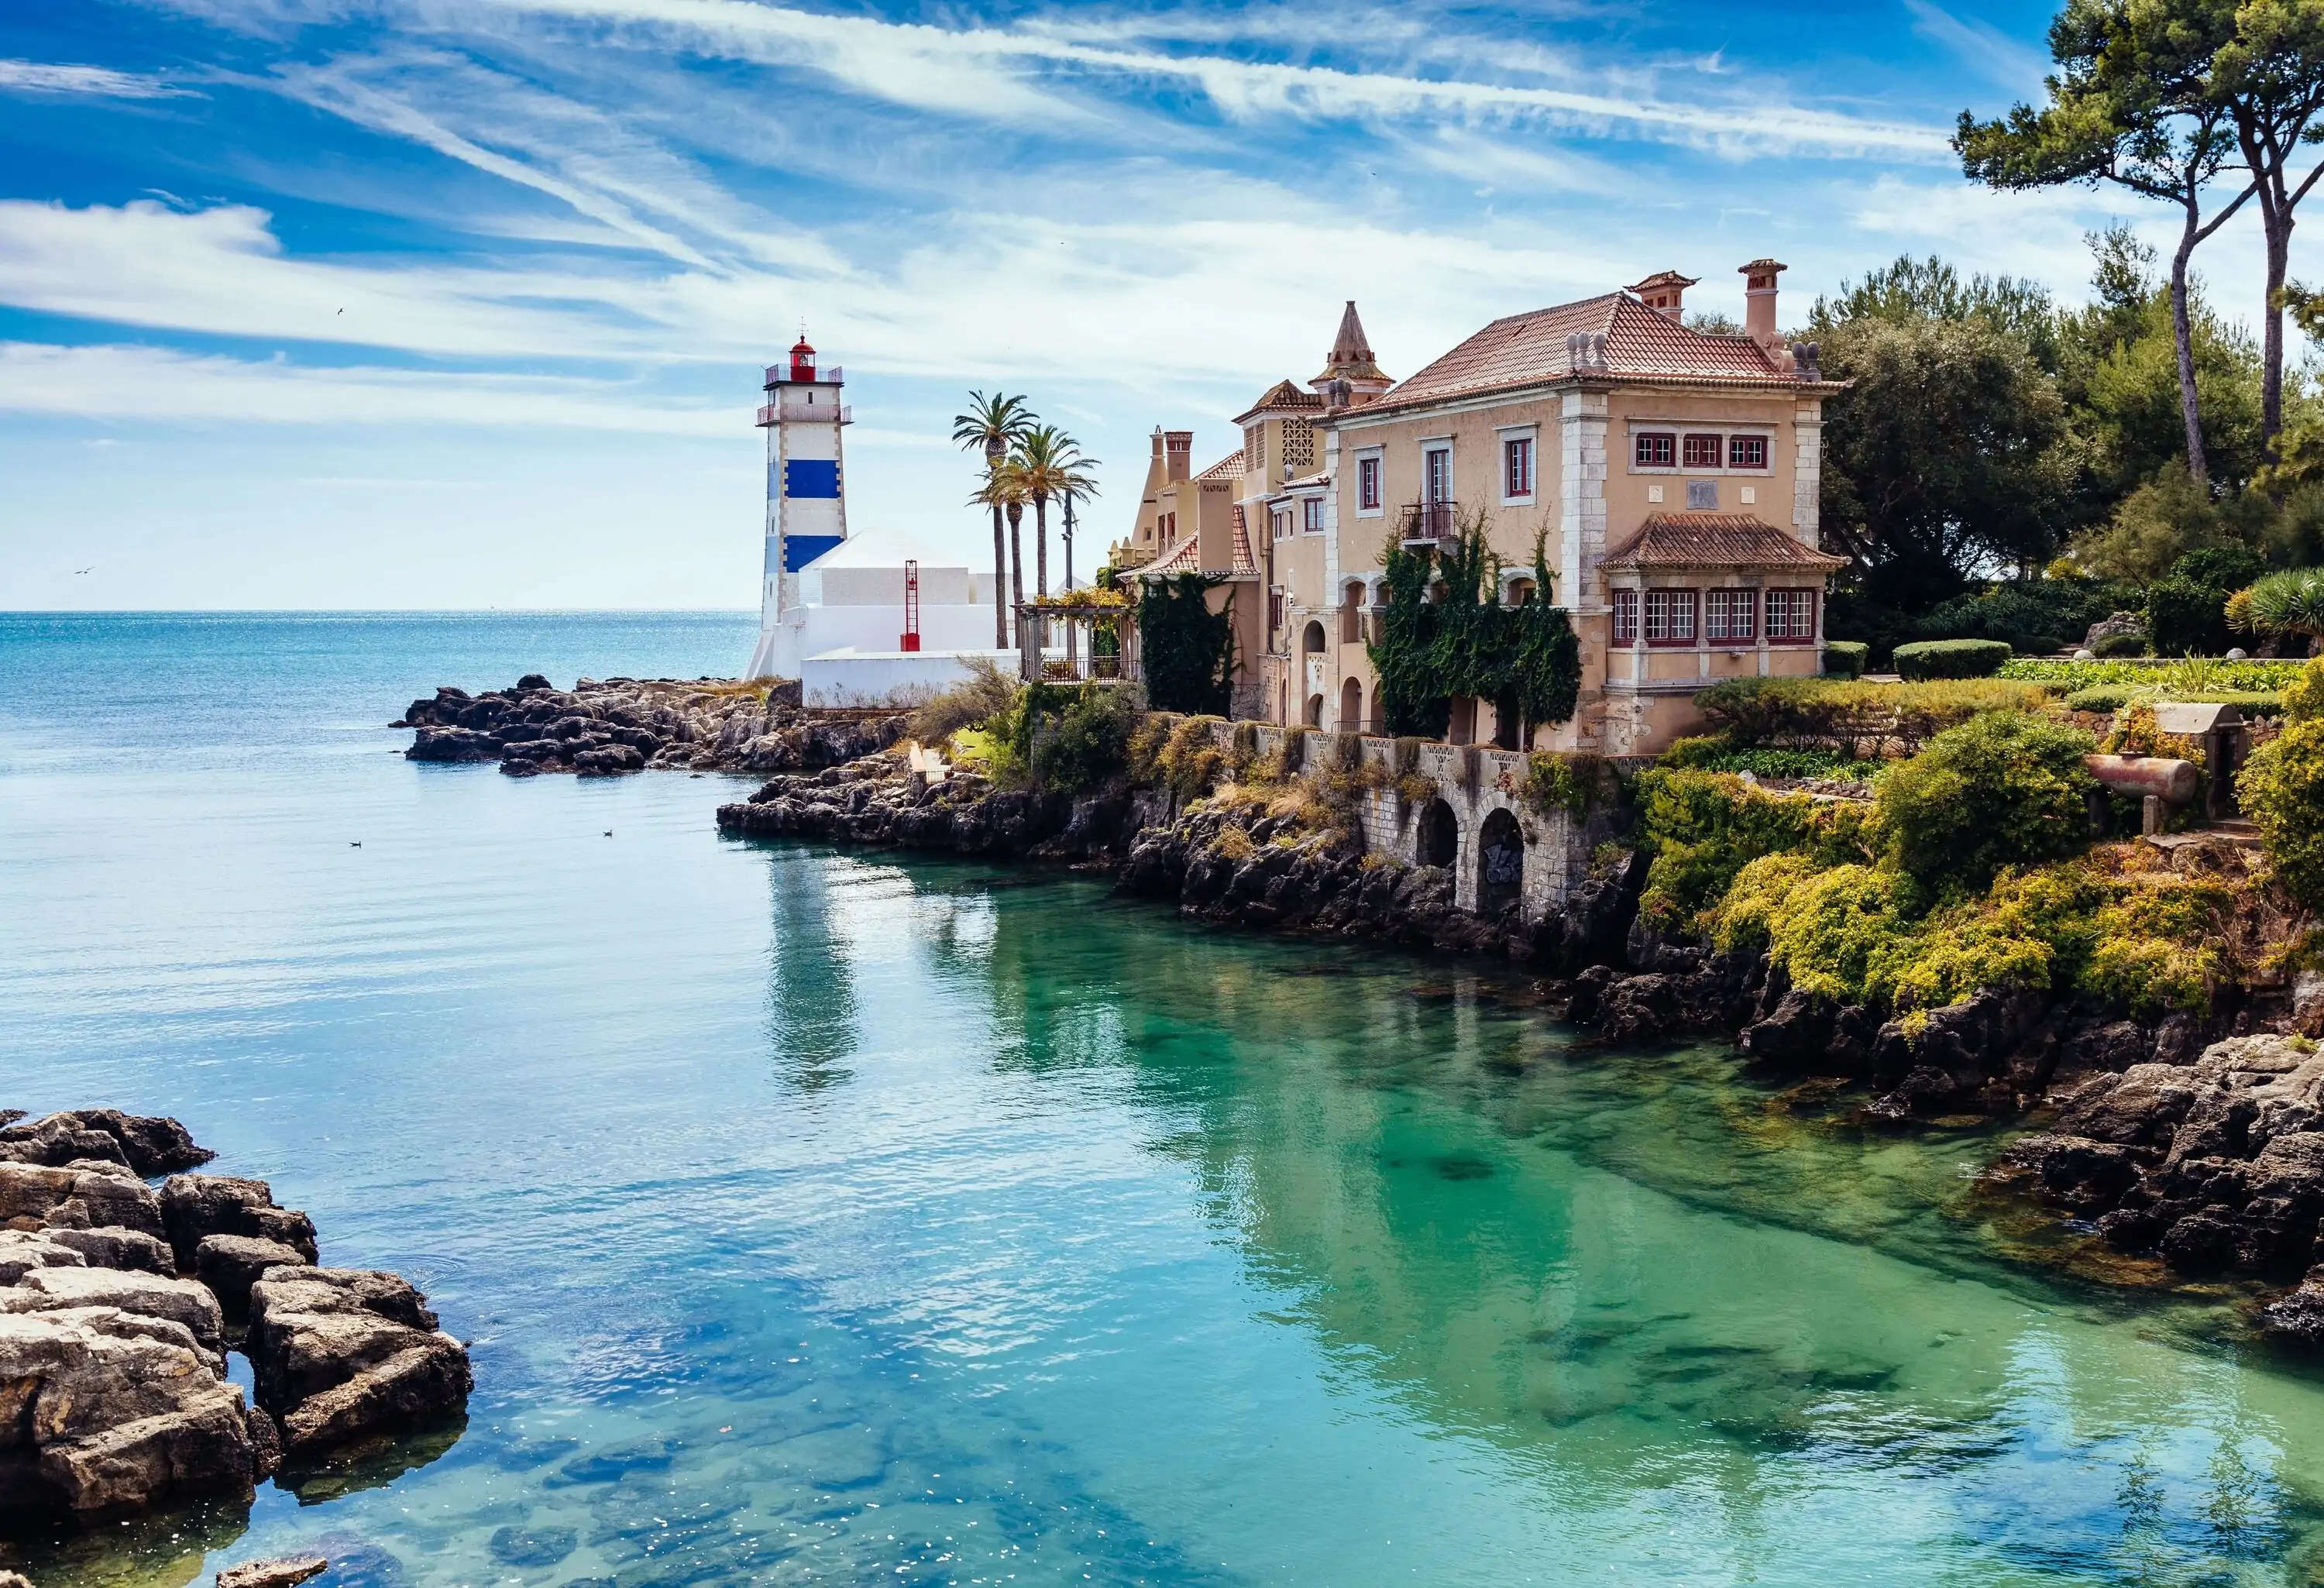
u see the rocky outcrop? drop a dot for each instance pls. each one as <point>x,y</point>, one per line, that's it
<point>340,1353</point>
<point>117,1307</point>
<point>601,728</point>
<point>283,1572</point>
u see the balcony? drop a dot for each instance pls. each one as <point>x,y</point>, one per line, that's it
<point>768,414</point>
<point>781,373</point>
<point>1429,524</point>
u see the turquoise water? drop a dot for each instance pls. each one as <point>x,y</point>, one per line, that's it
<point>835,1218</point>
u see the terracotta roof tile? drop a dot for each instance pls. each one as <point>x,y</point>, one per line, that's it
<point>1186,556</point>
<point>1527,350</point>
<point>1229,466</point>
<point>1715,540</point>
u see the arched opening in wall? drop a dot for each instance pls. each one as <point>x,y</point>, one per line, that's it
<point>1351,613</point>
<point>1439,837</point>
<point>1351,707</point>
<point>1463,728</point>
<point>1379,723</point>
<point>1500,863</point>
<point>1516,592</point>
<point>1315,717</point>
<point>1313,641</point>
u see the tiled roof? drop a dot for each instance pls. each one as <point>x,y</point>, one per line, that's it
<point>1185,558</point>
<point>1282,394</point>
<point>1715,540</point>
<point>1227,468</point>
<point>1527,350</point>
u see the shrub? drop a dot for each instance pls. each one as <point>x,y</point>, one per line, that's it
<point>2282,790</point>
<point>1846,659</point>
<point>2121,645</point>
<point>2303,698</point>
<point>1951,659</point>
<point>1187,761</point>
<point>2289,603</point>
<point>2030,614</point>
<point>1572,785</point>
<point>1852,715</point>
<point>2158,947</point>
<point>1088,743</point>
<point>2003,789</point>
<point>976,700</point>
<point>1828,931</point>
<point>2190,678</point>
<point>1703,828</point>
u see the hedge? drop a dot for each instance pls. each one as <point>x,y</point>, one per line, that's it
<point>1846,659</point>
<point>2194,675</point>
<point>1951,659</point>
<point>1852,715</point>
<point>2112,697</point>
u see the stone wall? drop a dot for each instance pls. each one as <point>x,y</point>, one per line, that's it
<point>1472,781</point>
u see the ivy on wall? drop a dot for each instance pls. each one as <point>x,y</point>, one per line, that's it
<point>1523,659</point>
<point>1187,650</point>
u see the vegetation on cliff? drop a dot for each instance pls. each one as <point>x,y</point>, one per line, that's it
<point>1446,633</point>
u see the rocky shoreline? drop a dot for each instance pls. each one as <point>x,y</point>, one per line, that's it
<point>120,1300</point>
<point>601,728</point>
<point>2242,1193</point>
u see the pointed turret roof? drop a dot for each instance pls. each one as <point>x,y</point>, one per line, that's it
<point>1352,356</point>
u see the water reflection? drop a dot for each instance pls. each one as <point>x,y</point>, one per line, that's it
<point>811,997</point>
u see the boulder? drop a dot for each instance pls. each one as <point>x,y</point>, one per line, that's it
<point>231,1264</point>
<point>282,1571</point>
<point>108,1417</point>
<point>31,1196</point>
<point>452,745</point>
<point>23,1250</point>
<point>194,1206</point>
<point>151,1145</point>
<point>609,759</point>
<point>338,1353</point>
<point>180,1301</point>
<point>113,1248</point>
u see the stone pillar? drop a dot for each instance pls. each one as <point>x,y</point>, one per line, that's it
<point>1807,473</point>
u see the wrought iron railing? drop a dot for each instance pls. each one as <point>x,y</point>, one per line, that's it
<point>1429,524</point>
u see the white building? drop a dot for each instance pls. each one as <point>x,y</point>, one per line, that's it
<point>807,501</point>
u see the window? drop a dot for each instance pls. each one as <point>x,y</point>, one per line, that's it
<point>1254,449</point>
<point>1280,520</point>
<point>1517,467</point>
<point>1730,614</point>
<point>1657,449</point>
<point>1367,484</point>
<point>1747,452</point>
<point>1298,446</point>
<point>1703,495</point>
<point>1436,475</point>
<point>1790,614</point>
<point>1626,617</point>
<point>1274,610</point>
<point>1702,451</point>
<point>1669,617</point>
<point>1312,515</point>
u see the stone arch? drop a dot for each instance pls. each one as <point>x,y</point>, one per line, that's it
<point>1516,583</point>
<point>1352,602</point>
<point>1436,838</point>
<point>1352,707</point>
<point>1500,862</point>
<point>1313,716</point>
<point>1312,640</point>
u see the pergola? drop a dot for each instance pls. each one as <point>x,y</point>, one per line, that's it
<point>1082,664</point>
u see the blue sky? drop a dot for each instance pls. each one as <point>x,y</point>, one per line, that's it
<point>461,303</point>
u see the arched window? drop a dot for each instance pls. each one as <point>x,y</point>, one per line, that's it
<point>1439,838</point>
<point>1351,707</point>
<point>1314,718</point>
<point>1313,641</point>
<point>1500,863</point>
<point>1351,613</point>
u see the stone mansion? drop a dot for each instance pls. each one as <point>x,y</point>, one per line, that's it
<point>1671,474</point>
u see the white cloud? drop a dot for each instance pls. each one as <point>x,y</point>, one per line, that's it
<point>155,385</point>
<point>33,77</point>
<point>1986,49</point>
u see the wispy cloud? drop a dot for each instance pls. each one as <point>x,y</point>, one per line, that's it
<point>1984,49</point>
<point>34,76</point>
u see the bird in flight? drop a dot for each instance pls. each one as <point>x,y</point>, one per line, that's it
<point>81,570</point>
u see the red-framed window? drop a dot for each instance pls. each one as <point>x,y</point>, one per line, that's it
<point>1626,617</point>
<point>1702,451</point>
<point>1791,616</point>
<point>1747,452</point>
<point>1274,610</point>
<point>1655,449</point>
<point>1311,515</point>
<point>1671,617</point>
<point>1517,467</point>
<point>1281,520</point>
<point>1730,615</point>
<point>1367,484</point>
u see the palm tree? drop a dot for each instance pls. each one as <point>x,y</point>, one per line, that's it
<point>992,426</point>
<point>1004,491</point>
<point>1051,462</point>
<point>2289,603</point>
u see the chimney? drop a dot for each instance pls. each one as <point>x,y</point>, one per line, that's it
<point>1179,446</point>
<point>1759,305</point>
<point>1664,292</point>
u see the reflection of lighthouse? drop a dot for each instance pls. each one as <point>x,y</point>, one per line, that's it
<point>807,505</point>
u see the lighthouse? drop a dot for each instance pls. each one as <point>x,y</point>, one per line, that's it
<point>807,501</point>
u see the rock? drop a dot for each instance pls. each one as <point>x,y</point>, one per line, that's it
<point>108,1418</point>
<point>540,1546</point>
<point>2296,1317</point>
<point>338,1353</point>
<point>282,1571</point>
<point>2077,1172</point>
<point>231,1264</point>
<point>23,1250</point>
<point>2113,627</point>
<point>113,1248</point>
<point>13,1580</point>
<point>151,1145</point>
<point>454,744</point>
<point>180,1301</point>
<point>194,1206</point>
<point>605,763</point>
<point>533,681</point>
<point>31,1196</point>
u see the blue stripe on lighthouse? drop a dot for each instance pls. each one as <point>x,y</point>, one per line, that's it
<point>798,551</point>
<point>809,477</point>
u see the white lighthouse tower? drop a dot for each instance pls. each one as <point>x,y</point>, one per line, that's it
<point>806,501</point>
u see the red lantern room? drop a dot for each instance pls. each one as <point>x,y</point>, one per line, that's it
<point>802,361</point>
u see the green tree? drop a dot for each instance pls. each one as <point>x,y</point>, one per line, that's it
<point>1050,464</point>
<point>1950,449</point>
<point>992,426</point>
<point>2006,789</point>
<point>1004,491</point>
<point>2270,74</point>
<point>2133,102</point>
<point>1912,290</point>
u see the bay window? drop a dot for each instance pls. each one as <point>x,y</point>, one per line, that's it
<point>1626,617</point>
<point>1790,616</point>
<point>1669,617</point>
<point>1730,615</point>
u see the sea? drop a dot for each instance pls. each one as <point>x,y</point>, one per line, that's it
<point>819,1217</point>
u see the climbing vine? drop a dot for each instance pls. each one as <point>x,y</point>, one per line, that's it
<point>1188,650</point>
<point>1523,659</point>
